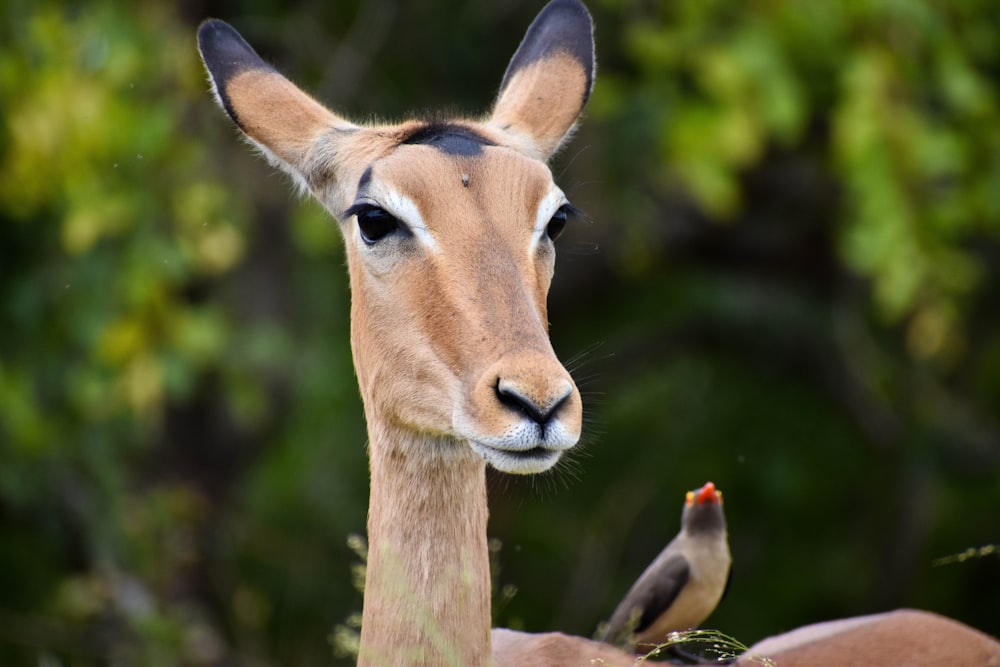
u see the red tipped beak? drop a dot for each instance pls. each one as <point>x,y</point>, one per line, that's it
<point>707,494</point>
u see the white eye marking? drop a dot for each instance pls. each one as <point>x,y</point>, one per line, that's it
<point>550,203</point>
<point>402,208</point>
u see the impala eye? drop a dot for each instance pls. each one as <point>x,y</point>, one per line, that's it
<point>558,222</point>
<point>374,223</point>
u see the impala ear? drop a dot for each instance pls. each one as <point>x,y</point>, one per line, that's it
<point>291,128</point>
<point>548,80</point>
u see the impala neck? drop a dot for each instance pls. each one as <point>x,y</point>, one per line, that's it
<point>427,589</point>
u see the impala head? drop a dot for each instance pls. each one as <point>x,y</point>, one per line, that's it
<point>449,229</point>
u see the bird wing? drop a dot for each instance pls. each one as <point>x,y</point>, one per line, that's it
<point>650,596</point>
<point>663,589</point>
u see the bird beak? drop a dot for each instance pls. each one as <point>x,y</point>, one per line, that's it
<point>708,494</point>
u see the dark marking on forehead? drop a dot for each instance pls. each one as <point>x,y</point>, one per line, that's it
<point>365,179</point>
<point>449,138</point>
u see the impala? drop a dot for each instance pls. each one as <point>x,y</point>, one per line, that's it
<point>449,228</point>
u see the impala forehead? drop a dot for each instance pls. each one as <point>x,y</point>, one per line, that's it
<point>437,192</point>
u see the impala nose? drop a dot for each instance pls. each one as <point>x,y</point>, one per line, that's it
<point>540,409</point>
<point>522,414</point>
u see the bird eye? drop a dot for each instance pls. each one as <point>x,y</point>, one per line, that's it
<point>375,224</point>
<point>557,224</point>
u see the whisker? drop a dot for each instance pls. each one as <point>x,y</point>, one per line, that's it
<point>569,163</point>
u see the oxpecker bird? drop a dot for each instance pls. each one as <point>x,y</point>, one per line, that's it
<point>684,584</point>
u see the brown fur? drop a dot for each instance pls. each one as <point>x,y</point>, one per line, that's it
<point>431,333</point>
<point>551,649</point>
<point>903,638</point>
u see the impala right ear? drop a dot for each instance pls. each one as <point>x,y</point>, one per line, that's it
<point>284,122</point>
<point>548,80</point>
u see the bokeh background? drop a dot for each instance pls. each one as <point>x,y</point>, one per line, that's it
<point>786,283</point>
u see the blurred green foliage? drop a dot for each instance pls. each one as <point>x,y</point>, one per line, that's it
<point>798,217</point>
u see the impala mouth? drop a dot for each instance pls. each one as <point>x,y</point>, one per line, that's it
<point>518,461</point>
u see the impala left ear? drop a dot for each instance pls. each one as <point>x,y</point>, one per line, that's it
<point>548,80</point>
